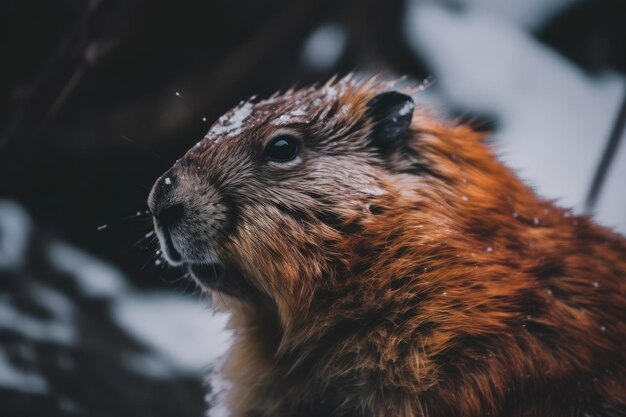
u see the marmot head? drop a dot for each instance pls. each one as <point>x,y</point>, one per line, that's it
<point>263,205</point>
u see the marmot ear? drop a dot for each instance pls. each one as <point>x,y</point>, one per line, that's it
<point>391,113</point>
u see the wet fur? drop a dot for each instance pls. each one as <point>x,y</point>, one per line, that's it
<point>422,279</point>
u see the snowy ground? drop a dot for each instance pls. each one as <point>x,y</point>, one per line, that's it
<point>74,334</point>
<point>554,119</point>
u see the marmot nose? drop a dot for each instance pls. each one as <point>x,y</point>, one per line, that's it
<point>169,216</point>
<point>162,201</point>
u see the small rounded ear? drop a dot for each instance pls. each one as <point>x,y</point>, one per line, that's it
<point>391,113</point>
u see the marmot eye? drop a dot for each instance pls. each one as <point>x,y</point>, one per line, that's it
<point>282,148</point>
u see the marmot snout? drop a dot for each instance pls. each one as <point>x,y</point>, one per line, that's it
<point>379,262</point>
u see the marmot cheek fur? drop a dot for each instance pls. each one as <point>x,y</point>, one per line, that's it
<point>380,262</point>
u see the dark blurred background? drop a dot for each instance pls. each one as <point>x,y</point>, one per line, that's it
<point>99,97</point>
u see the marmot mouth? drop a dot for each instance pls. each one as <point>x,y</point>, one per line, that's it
<point>223,277</point>
<point>208,274</point>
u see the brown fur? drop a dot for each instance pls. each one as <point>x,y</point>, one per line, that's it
<point>427,280</point>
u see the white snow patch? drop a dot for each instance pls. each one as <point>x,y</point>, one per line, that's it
<point>152,366</point>
<point>555,118</point>
<point>180,329</point>
<point>60,329</point>
<point>168,181</point>
<point>57,303</point>
<point>324,47</point>
<point>15,229</point>
<point>16,379</point>
<point>527,13</point>
<point>94,277</point>
<point>217,398</point>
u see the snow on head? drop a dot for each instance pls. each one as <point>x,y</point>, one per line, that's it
<point>300,111</point>
<point>230,124</point>
<point>330,92</point>
<point>282,120</point>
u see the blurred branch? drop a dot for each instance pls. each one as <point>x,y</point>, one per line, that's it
<point>160,115</point>
<point>607,158</point>
<point>100,28</point>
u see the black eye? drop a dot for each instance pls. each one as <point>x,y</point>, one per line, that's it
<point>282,148</point>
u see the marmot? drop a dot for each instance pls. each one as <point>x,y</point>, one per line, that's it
<point>380,262</point>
